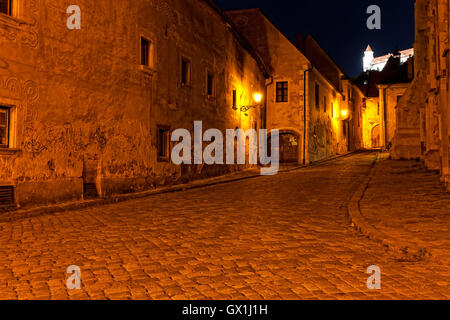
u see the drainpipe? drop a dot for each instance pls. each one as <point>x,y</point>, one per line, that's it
<point>304,112</point>
<point>268,84</point>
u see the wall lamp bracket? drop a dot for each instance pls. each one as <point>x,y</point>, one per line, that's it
<point>246,108</point>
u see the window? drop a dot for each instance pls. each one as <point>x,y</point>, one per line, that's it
<point>210,85</point>
<point>324,104</point>
<point>146,52</point>
<point>163,135</point>
<point>398,99</point>
<point>185,72</point>
<point>282,91</point>
<point>317,96</point>
<point>6,7</point>
<point>234,99</point>
<point>4,127</point>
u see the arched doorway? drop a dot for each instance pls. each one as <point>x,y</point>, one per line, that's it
<point>376,139</point>
<point>289,147</point>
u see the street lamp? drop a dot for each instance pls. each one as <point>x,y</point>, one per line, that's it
<point>344,114</point>
<point>257,97</point>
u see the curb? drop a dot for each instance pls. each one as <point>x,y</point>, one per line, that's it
<point>83,204</point>
<point>405,249</point>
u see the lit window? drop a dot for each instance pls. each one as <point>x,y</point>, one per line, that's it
<point>282,91</point>
<point>146,52</point>
<point>163,135</point>
<point>185,72</point>
<point>210,85</point>
<point>6,7</point>
<point>4,127</point>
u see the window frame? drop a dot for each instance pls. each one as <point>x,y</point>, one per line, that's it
<point>185,75</point>
<point>316,96</point>
<point>284,96</point>
<point>9,8</point>
<point>159,146</point>
<point>210,86</point>
<point>146,57</point>
<point>7,126</point>
<point>234,99</point>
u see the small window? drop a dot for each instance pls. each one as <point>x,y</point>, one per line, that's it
<point>4,127</point>
<point>324,104</point>
<point>185,72</point>
<point>210,84</point>
<point>399,98</point>
<point>146,52</point>
<point>163,135</point>
<point>282,91</point>
<point>234,99</point>
<point>317,96</point>
<point>6,7</point>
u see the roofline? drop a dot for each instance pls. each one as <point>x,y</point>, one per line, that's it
<point>332,60</point>
<point>241,39</point>
<point>272,23</point>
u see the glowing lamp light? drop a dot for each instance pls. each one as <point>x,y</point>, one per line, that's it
<point>344,113</point>
<point>257,97</point>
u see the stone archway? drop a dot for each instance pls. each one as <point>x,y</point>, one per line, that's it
<point>376,136</point>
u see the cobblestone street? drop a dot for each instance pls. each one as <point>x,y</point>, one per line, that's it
<point>278,237</point>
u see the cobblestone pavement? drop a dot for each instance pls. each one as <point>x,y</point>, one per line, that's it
<point>408,203</point>
<point>280,237</point>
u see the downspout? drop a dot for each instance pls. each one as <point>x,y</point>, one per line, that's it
<point>385,120</point>
<point>304,112</point>
<point>268,84</point>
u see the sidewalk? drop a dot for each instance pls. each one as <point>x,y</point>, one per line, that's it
<point>408,207</point>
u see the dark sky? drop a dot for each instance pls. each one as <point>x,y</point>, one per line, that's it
<point>340,25</point>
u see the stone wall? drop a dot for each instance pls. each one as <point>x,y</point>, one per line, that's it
<point>81,105</point>
<point>423,121</point>
<point>324,131</point>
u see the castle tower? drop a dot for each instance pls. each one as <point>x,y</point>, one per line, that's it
<point>368,58</point>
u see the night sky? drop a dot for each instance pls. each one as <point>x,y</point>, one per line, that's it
<point>340,25</point>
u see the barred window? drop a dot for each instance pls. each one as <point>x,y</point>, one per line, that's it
<point>185,72</point>
<point>4,127</point>
<point>163,143</point>
<point>282,91</point>
<point>210,85</point>
<point>316,92</point>
<point>6,7</point>
<point>146,52</point>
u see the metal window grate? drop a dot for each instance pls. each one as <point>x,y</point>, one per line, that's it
<point>6,7</point>
<point>90,190</point>
<point>6,196</point>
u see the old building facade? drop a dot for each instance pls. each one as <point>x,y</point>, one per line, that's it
<point>90,111</point>
<point>306,98</point>
<point>423,115</point>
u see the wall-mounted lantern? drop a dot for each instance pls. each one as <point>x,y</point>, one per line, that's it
<point>344,115</point>
<point>257,98</point>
